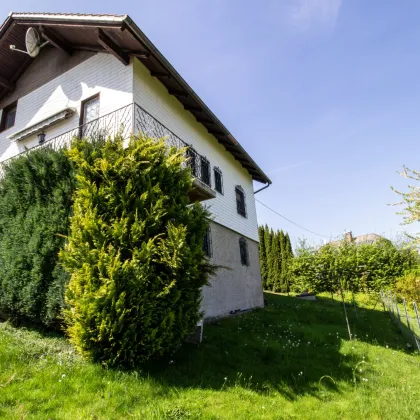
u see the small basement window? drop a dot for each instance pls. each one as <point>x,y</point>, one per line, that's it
<point>240,201</point>
<point>243,250</point>
<point>207,248</point>
<point>218,180</point>
<point>8,116</point>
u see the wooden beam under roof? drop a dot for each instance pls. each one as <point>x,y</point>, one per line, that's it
<point>193,108</point>
<point>139,54</point>
<point>7,84</point>
<point>205,121</point>
<point>160,74</point>
<point>112,47</point>
<point>54,40</point>
<point>178,93</point>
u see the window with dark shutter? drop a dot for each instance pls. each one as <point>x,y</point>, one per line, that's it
<point>243,250</point>
<point>8,116</point>
<point>192,160</point>
<point>218,180</point>
<point>240,201</point>
<point>205,171</point>
<point>207,248</point>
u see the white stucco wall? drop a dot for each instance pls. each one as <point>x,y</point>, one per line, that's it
<point>101,73</point>
<point>118,86</point>
<point>150,94</point>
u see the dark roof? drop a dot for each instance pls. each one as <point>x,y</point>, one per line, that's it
<point>119,35</point>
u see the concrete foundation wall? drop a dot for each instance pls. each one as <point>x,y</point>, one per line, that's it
<point>237,286</point>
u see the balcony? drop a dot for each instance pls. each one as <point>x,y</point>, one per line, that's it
<point>134,119</point>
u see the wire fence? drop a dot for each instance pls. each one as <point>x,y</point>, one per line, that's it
<point>406,316</point>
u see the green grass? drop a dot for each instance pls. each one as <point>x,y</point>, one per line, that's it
<point>289,360</point>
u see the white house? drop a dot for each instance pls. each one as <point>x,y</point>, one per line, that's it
<point>101,74</point>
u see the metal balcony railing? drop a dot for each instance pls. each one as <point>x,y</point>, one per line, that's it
<point>151,127</point>
<point>123,122</point>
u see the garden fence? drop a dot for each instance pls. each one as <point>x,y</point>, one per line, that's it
<point>405,315</point>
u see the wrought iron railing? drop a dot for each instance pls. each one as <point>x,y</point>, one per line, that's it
<point>151,127</point>
<point>123,122</point>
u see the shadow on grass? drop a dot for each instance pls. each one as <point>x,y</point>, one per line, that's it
<point>291,346</point>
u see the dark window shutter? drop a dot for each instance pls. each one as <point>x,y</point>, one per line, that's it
<point>240,201</point>
<point>218,180</point>
<point>243,249</point>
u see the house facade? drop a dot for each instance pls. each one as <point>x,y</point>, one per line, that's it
<point>100,75</point>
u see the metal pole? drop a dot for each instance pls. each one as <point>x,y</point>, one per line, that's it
<point>417,313</point>
<point>406,314</point>
<point>398,309</point>
<point>391,303</point>
<point>345,310</point>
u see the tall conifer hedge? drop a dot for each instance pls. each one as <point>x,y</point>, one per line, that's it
<point>35,204</point>
<point>135,253</point>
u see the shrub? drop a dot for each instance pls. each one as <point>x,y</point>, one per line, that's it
<point>35,203</point>
<point>135,253</point>
<point>408,286</point>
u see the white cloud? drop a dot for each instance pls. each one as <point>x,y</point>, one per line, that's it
<point>307,14</point>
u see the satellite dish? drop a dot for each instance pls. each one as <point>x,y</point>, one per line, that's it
<point>32,43</point>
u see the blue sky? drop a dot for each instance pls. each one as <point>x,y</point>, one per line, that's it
<point>324,95</point>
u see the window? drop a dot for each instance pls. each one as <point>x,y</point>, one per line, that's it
<point>218,180</point>
<point>205,171</point>
<point>243,250</point>
<point>90,110</point>
<point>8,116</point>
<point>192,160</point>
<point>207,248</point>
<point>240,201</point>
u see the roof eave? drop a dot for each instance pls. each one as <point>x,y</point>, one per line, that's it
<point>263,178</point>
<point>125,22</point>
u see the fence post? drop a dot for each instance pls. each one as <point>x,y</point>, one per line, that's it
<point>406,315</point>
<point>398,309</point>
<point>417,313</point>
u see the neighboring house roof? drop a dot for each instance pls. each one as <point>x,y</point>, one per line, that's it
<point>368,238</point>
<point>120,36</point>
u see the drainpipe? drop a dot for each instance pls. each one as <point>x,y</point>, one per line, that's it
<point>263,188</point>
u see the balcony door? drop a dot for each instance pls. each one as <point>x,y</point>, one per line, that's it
<point>89,115</point>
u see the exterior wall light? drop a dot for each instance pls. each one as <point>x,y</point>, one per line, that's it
<point>41,137</point>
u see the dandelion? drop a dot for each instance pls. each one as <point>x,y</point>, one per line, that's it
<point>225,378</point>
<point>171,361</point>
<point>63,375</point>
<point>364,379</point>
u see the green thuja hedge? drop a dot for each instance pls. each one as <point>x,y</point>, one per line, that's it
<point>134,253</point>
<point>35,202</point>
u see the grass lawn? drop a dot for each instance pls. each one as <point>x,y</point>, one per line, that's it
<point>289,360</point>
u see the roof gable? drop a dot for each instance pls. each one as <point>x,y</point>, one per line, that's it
<point>117,35</point>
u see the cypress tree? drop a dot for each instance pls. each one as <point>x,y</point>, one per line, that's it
<point>287,265</point>
<point>36,193</point>
<point>270,257</point>
<point>276,261</point>
<point>135,253</point>
<point>263,256</point>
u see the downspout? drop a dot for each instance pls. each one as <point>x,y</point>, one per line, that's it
<point>263,188</point>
